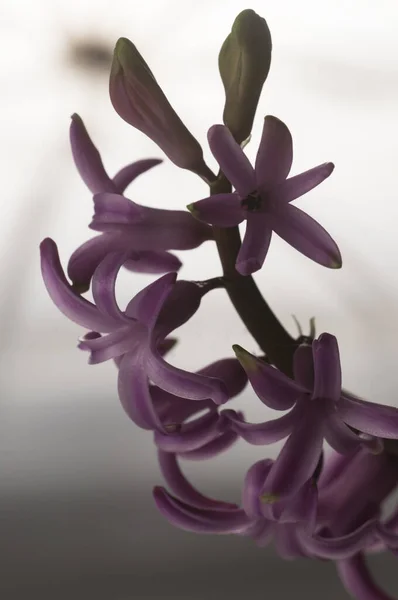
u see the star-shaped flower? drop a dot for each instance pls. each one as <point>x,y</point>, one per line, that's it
<point>319,411</point>
<point>133,335</point>
<point>263,198</point>
<point>144,234</point>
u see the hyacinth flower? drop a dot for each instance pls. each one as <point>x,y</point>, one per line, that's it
<point>263,198</point>
<point>317,413</point>
<point>133,334</point>
<point>144,233</point>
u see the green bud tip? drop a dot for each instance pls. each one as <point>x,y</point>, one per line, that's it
<point>247,361</point>
<point>192,209</point>
<point>269,498</point>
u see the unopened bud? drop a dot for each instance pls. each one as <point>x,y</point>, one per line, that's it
<point>244,63</point>
<point>139,100</point>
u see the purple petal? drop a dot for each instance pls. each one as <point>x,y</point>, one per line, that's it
<point>103,287</point>
<point>154,262</point>
<point>373,419</point>
<point>187,517</point>
<point>181,383</point>
<point>232,160</point>
<point>111,345</point>
<point>306,235</point>
<point>147,304</point>
<point>303,367</point>
<point>114,211</point>
<point>274,389</point>
<point>213,448</point>
<point>255,244</point>
<point>190,436</point>
<point>297,186</point>
<point>221,210</point>
<point>229,370</point>
<point>298,458</point>
<point>302,507</point>
<point>180,305</point>
<point>87,159</point>
<point>388,537</point>
<point>358,581</point>
<point>334,467</point>
<point>260,434</point>
<point>172,409</point>
<point>182,488</point>
<point>73,306</point>
<point>286,542</point>
<point>340,437</point>
<point>134,394</point>
<point>125,176</point>
<point>253,484</point>
<point>160,229</point>
<point>338,548</point>
<point>88,256</point>
<point>327,368</point>
<point>165,346</point>
<point>275,154</point>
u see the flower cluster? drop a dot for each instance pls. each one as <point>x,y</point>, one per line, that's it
<point>323,496</point>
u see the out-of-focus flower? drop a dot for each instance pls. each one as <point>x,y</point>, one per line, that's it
<point>139,100</point>
<point>244,62</point>
<point>263,198</point>
<point>133,334</point>
<point>143,233</point>
<point>317,413</point>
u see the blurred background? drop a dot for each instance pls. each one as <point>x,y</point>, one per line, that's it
<point>77,516</point>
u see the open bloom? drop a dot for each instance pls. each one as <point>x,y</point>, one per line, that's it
<point>263,198</point>
<point>144,234</point>
<point>133,335</point>
<point>317,412</point>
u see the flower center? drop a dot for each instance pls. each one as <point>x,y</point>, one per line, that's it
<point>252,202</point>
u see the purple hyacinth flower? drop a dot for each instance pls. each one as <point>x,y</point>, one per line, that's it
<point>263,198</point>
<point>144,234</point>
<point>314,398</point>
<point>133,335</point>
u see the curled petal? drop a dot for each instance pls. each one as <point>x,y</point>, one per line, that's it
<point>182,488</point>
<point>338,548</point>
<point>260,434</point>
<point>327,368</point>
<point>297,186</point>
<point>298,458</point>
<point>213,448</point>
<point>302,507</point>
<point>253,484</point>
<point>255,244</point>
<point>147,304</point>
<point>179,306</point>
<point>232,160</point>
<point>358,581</point>
<point>152,262</point>
<point>112,210</point>
<point>286,542</point>
<point>230,371</point>
<point>112,345</point>
<point>191,436</point>
<point>134,394</point>
<point>71,304</point>
<point>275,154</point>
<point>273,388</point>
<point>187,517</point>
<point>340,437</point>
<point>172,409</point>
<point>303,367</point>
<point>103,287</point>
<point>87,159</point>
<point>368,417</point>
<point>192,386</point>
<point>388,536</point>
<point>125,176</point>
<point>221,210</point>
<point>305,235</point>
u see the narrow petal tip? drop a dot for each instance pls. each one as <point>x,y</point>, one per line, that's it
<point>246,359</point>
<point>248,267</point>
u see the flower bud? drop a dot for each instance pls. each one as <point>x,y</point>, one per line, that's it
<point>139,100</point>
<point>244,62</point>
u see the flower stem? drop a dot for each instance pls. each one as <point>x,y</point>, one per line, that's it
<point>269,333</point>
